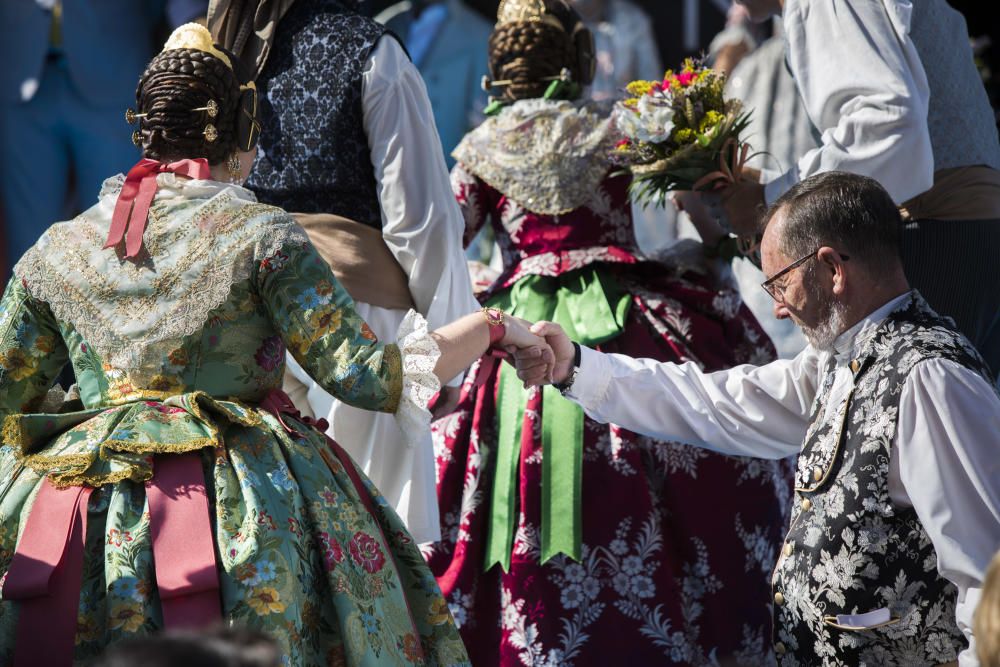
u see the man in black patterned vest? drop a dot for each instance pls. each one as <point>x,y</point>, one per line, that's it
<point>891,412</point>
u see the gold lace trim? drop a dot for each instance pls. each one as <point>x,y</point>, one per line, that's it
<point>73,467</point>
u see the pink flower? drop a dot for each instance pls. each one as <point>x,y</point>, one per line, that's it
<point>333,553</point>
<point>685,78</point>
<point>366,552</point>
<point>270,354</point>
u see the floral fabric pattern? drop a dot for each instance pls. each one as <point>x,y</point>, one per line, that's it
<point>300,557</point>
<point>677,544</point>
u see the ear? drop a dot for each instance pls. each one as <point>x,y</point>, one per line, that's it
<point>836,264</point>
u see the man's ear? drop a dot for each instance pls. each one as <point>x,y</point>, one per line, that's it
<point>836,264</point>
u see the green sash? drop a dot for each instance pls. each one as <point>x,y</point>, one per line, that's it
<point>590,305</point>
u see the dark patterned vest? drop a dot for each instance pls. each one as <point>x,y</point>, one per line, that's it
<point>849,550</point>
<point>314,155</point>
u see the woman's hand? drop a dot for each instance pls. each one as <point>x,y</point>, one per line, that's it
<point>522,344</point>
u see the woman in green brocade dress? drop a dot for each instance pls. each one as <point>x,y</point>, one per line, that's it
<point>177,335</point>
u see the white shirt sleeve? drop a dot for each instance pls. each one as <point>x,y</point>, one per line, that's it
<point>866,91</point>
<point>760,411</point>
<point>947,443</point>
<point>421,221</point>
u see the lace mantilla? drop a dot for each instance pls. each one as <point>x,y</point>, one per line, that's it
<point>420,354</point>
<point>202,238</point>
<point>548,156</point>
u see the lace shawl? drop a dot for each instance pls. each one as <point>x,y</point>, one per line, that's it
<point>202,238</point>
<point>548,156</point>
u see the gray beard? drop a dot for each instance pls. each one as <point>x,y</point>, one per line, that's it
<point>825,333</point>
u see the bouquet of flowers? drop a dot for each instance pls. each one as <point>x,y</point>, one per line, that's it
<point>680,133</point>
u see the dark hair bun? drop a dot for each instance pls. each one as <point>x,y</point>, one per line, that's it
<point>175,83</point>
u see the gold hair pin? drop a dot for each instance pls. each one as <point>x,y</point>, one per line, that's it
<point>211,134</point>
<point>212,107</point>
<point>137,138</point>
<point>565,75</point>
<point>131,116</point>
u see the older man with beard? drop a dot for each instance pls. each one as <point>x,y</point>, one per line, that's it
<point>891,411</point>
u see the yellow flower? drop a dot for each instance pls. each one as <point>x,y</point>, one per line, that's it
<point>439,612</point>
<point>685,135</point>
<point>639,88</point>
<point>325,321</point>
<point>266,601</point>
<point>87,629</point>
<point>298,344</point>
<point>18,364</point>
<point>127,615</point>
<point>164,383</point>
<point>710,120</point>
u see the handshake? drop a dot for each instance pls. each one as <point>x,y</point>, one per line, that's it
<point>541,352</point>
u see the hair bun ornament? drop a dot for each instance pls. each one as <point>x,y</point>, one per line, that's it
<point>521,11</point>
<point>196,37</point>
<point>211,134</point>
<point>211,108</point>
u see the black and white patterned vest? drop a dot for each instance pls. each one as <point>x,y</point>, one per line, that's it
<point>314,155</point>
<point>849,550</point>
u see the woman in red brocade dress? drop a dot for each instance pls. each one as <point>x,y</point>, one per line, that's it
<point>567,541</point>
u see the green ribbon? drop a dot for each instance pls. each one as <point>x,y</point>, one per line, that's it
<point>590,305</point>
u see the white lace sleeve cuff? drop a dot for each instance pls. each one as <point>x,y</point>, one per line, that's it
<point>420,354</point>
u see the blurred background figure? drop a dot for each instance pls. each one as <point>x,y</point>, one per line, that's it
<point>446,40</point>
<point>624,42</point>
<point>69,72</point>
<point>219,647</point>
<point>986,624</point>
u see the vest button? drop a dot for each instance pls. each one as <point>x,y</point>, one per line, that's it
<point>779,648</point>
<point>806,504</point>
<point>779,599</point>
<point>817,474</point>
<point>788,549</point>
<point>855,365</point>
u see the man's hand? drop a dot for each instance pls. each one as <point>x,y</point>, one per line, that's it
<point>738,206</point>
<point>551,365</point>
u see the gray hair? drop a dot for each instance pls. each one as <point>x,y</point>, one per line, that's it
<point>853,214</point>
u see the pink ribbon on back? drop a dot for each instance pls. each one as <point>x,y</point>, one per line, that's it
<point>132,208</point>
<point>180,527</point>
<point>45,575</point>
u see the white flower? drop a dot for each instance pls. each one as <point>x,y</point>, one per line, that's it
<point>657,118</point>
<point>643,586</point>
<point>572,596</point>
<point>618,547</point>
<point>575,573</point>
<point>591,587</point>
<point>652,121</point>
<point>632,565</point>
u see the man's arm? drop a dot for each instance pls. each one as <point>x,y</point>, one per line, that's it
<point>421,222</point>
<point>865,89</point>
<point>745,411</point>
<point>947,443</point>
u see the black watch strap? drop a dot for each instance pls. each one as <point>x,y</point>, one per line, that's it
<point>565,386</point>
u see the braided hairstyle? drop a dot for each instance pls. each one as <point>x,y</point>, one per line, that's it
<point>527,52</point>
<point>176,82</point>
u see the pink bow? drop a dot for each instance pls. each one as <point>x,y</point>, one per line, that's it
<point>132,207</point>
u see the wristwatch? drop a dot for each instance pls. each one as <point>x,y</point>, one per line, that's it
<point>567,384</point>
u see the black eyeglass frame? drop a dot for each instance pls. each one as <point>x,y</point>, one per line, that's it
<point>768,285</point>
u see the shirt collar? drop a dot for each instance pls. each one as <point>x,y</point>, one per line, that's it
<point>854,338</point>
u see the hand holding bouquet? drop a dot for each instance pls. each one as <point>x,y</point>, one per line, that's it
<point>680,133</point>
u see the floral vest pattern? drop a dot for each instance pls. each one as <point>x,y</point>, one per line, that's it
<point>849,550</point>
<point>314,155</point>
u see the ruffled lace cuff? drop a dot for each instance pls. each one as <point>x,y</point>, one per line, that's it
<point>420,354</point>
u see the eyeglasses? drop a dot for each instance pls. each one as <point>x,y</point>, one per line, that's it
<point>777,292</point>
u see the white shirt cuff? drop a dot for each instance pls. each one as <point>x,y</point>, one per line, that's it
<point>590,387</point>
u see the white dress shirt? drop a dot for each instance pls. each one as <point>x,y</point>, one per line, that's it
<point>864,89</point>
<point>944,457</point>
<point>422,226</point>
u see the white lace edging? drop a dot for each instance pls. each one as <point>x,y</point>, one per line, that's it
<point>420,354</point>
